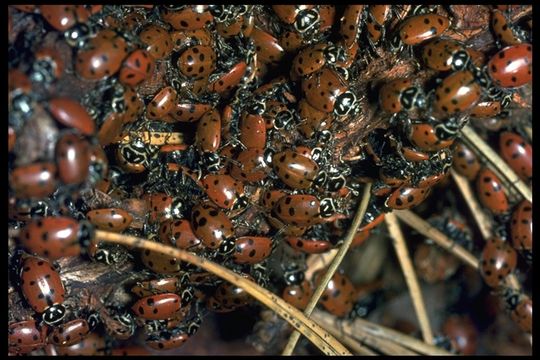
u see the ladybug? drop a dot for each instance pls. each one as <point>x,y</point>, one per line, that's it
<point>339,294</point>
<point>291,41</point>
<point>73,159</point>
<point>184,39</point>
<point>314,57</point>
<point>406,197</point>
<point>179,233</point>
<point>497,262</point>
<point>208,133</point>
<point>278,116</point>
<point>160,286</point>
<point>163,207</point>
<point>213,227</point>
<point>520,307</point>
<point>224,191</point>
<point>378,15</point>
<point>490,192</point>
<point>186,111</point>
<point>445,54</point>
<point>55,236</point>
<point>457,93</point>
<point>328,92</point>
<point>307,21</point>
<point>157,40</point>
<point>434,264</point>
<point>298,295</point>
<point>350,24</point>
<point>505,33</point>
<point>311,246</point>
<point>267,47</point>
<point>289,13</point>
<point>303,210</point>
<point>93,344</point>
<point>70,113</point>
<point>192,17</point>
<point>419,28</point>
<point>48,66</point>
<point>133,105</point>
<point>167,340</point>
<point>360,237</point>
<point>36,180</point>
<point>251,249</point>
<point>112,219</point>
<point>327,14</point>
<point>521,228</point>
<point>297,171</point>
<point>43,289</point>
<point>224,82</point>
<point>252,131</point>
<point>462,333</point>
<point>197,61</point>
<point>250,166</point>
<point>517,153</point>
<point>135,156</point>
<point>69,333</point>
<point>157,307</point>
<point>465,161</point>
<point>230,296</point>
<point>312,120</point>
<point>241,26</point>
<point>162,104</point>
<point>102,57</point>
<point>486,109</point>
<point>62,17</point>
<point>429,136</point>
<point>401,95</point>
<point>136,68</point>
<point>270,197</point>
<point>25,336</point>
<point>512,66</point>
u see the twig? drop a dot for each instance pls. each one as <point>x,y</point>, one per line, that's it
<point>476,141</point>
<point>476,210</point>
<point>289,348</point>
<point>410,276</point>
<point>317,335</point>
<point>361,327</point>
<point>317,262</point>
<point>425,228</point>
<point>345,338</point>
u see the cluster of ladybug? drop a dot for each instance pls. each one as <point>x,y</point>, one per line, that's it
<point>188,138</point>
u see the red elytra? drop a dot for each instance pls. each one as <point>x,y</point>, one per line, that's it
<point>161,104</point>
<point>420,28</point>
<point>322,88</point>
<point>295,170</point>
<point>486,109</point>
<point>378,15</point>
<point>360,237</point>
<point>111,128</point>
<point>183,39</point>
<point>291,41</point>
<point>267,47</point>
<point>462,333</point>
<point>424,137</point>
<point>270,197</point>
<point>25,336</point>
<point>399,95</point>
<point>158,286</point>
<point>33,181</point>
<point>412,154</point>
<point>93,344</point>
<point>327,14</point>
<point>157,40</point>
<point>160,263</point>
<point>512,66</point>
<point>445,54</point>
<point>191,18</point>
<point>73,159</point>
<point>157,307</point>
<point>298,295</point>
<point>498,260</point>
<point>197,61</point>
<point>211,225</point>
<point>406,197</point>
<point>185,111</point>
<point>522,314</point>
<point>60,17</point>
<point>137,67</point>
<point>160,206</point>
<point>339,294</point>
<point>223,190</point>
<point>312,120</point>
<point>252,249</point>
<point>309,246</point>
<point>228,80</point>
<point>208,133</point>
<point>521,227</point>
<point>309,59</point>
<point>465,161</point>
<point>457,93</point>
<point>351,23</point>
<point>133,105</point>
<point>503,29</point>
<point>252,131</point>
<point>72,114</point>
<point>490,192</point>
<point>517,153</point>
<point>112,219</point>
<point>52,237</point>
<point>298,210</point>
<point>177,339</point>
<point>249,166</point>
<point>41,284</point>
<point>103,57</point>
<point>69,333</point>
<point>179,233</point>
